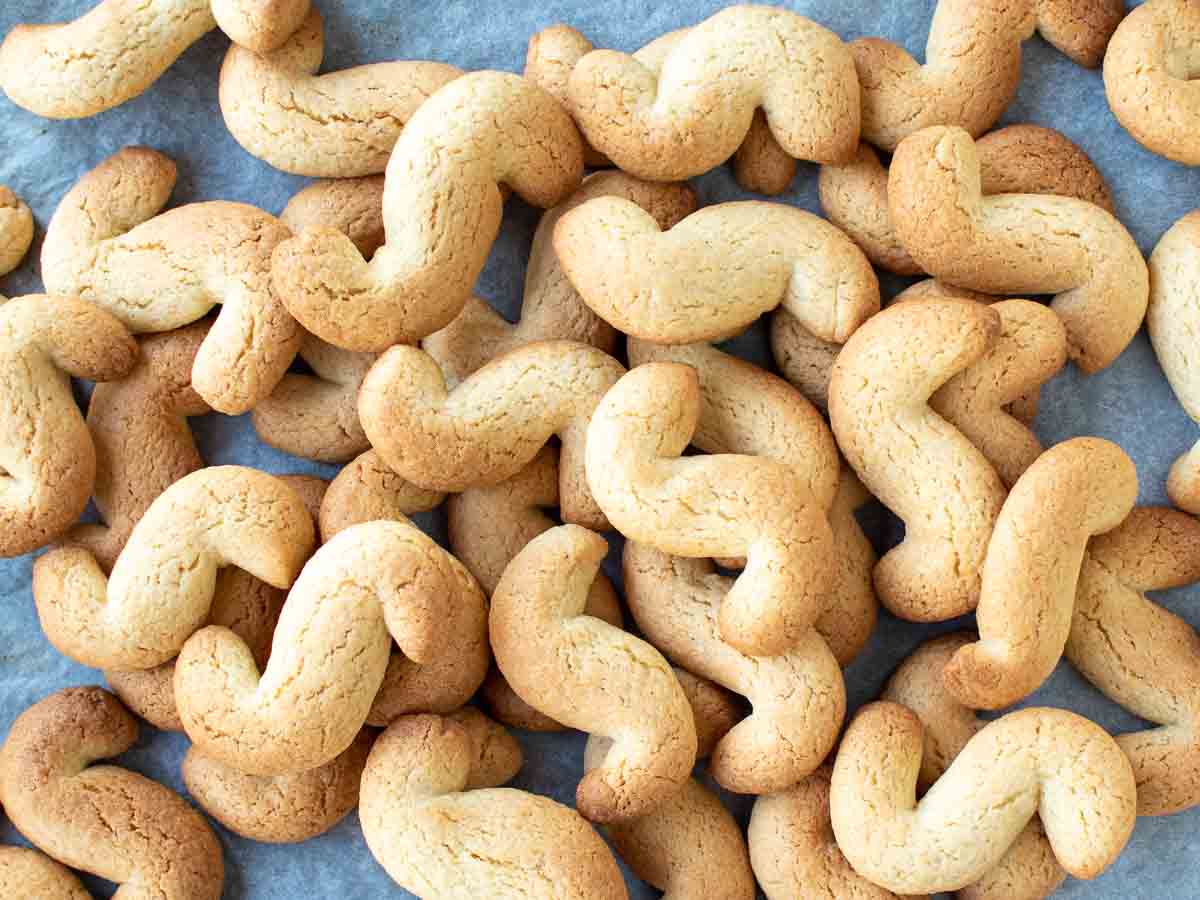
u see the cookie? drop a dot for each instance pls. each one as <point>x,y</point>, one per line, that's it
<point>280,809</point>
<point>240,602</point>
<point>1017,159</point>
<point>1081,29</point>
<point>260,25</point>
<point>1028,870</point>
<point>689,846</point>
<point>25,872</point>
<point>441,830</point>
<point>589,675</point>
<point>551,309</point>
<point>746,410</point>
<point>106,57</point>
<point>689,112</point>
<point>1036,760</point>
<point>103,819</point>
<point>1076,489</point>
<point>109,242</point>
<point>47,453</point>
<point>793,850</point>
<point>161,587</point>
<point>487,527</point>
<point>475,133</point>
<point>490,426</point>
<point>972,67</point>
<point>1173,320</point>
<point>1031,349</point>
<point>365,490</point>
<point>1141,655</point>
<point>338,125</point>
<point>919,466</point>
<point>1018,244</point>
<point>16,230</point>
<point>328,659</point>
<point>715,272</point>
<point>1147,78</point>
<point>687,507</point>
<point>143,442</point>
<point>798,697</point>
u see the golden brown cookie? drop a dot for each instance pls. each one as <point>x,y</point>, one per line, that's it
<point>1018,244</point>
<point>103,819</point>
<point>27,873</point>
<point>918,465</point>
<point>972,67</point>
<point>794,852</point>
<point>1079,28</point>
<point>798,697</point>
<point>46,453</point>
<point>589,675</point>
<point>689,846</point>
<point>491,425</point>
<point>1076,489</point>
<point>109,242</point>
<point>489,526</point>
<point>143,442</point>
<point>1141,655</point>
<point>1018,159</point>
<point>687,108</point>
<point>472,135</point>
<point>279,809</point>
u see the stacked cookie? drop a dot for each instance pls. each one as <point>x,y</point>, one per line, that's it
<point>321,652</point>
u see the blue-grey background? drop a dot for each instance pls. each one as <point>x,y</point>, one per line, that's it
<point>1129,403</point>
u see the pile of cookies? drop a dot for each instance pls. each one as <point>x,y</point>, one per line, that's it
<point>322,653</point>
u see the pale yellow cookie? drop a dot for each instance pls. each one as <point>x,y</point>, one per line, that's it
<point>1036,760</point>
<point>725,505</point>
<point>161,588</point>
<point>716,271</point>
<point>337,125</point>
<point>328,659</point>
<point>442,831</point>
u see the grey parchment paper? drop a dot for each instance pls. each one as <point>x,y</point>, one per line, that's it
<point>1129,403</point>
